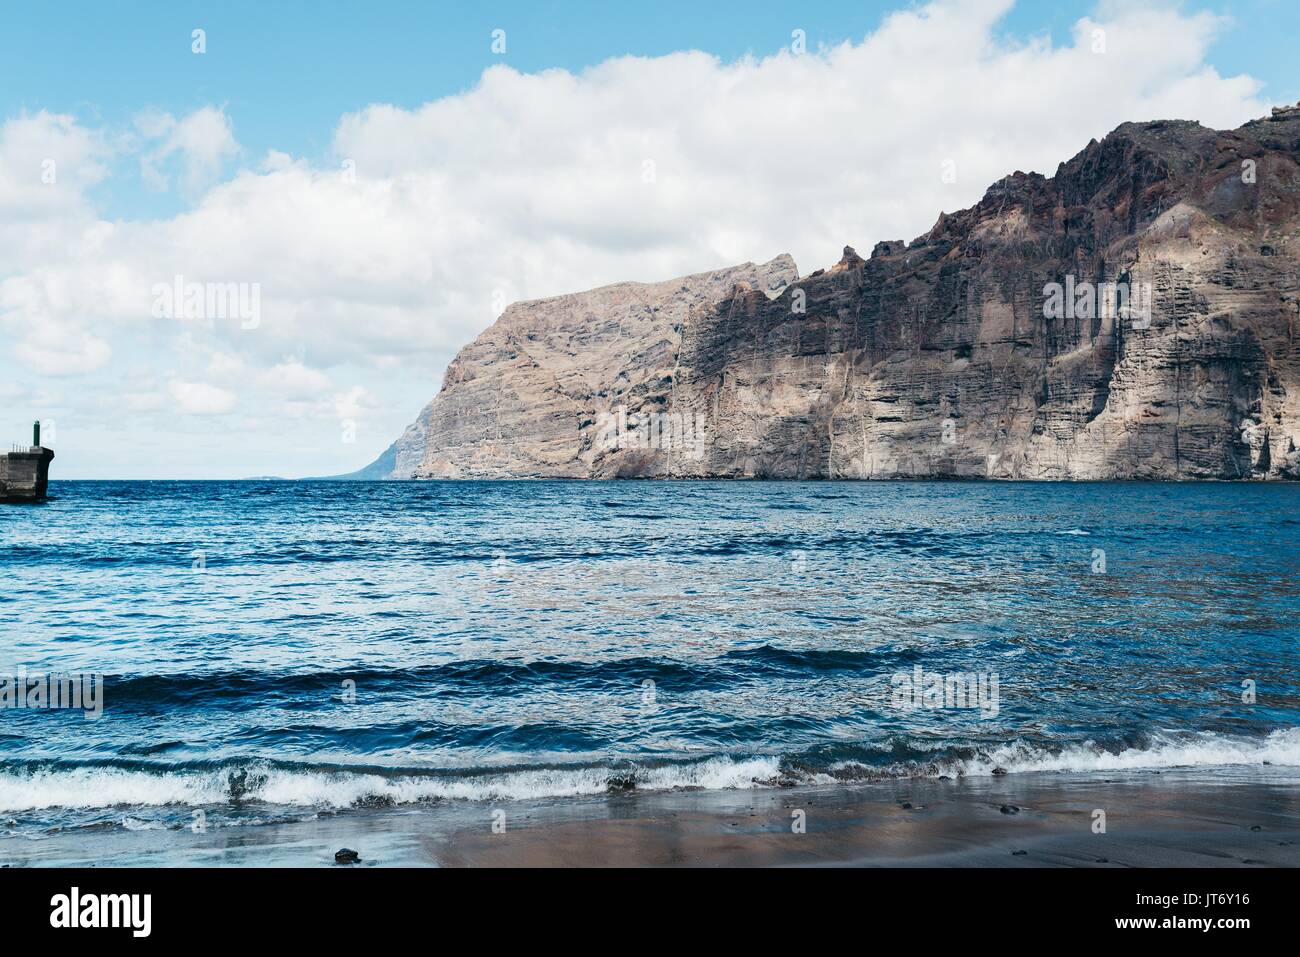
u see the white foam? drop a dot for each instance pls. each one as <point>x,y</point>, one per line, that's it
<point>713,774</point>
<point>116,787</point>
<point>1166,750</point>
<point>107,787</point>
<point>132,824</point>
<point>110,787</point>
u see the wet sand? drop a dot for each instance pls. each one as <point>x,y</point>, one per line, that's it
<point>1246,818</point>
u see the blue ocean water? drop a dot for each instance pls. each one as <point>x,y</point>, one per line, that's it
<point>270,649</point>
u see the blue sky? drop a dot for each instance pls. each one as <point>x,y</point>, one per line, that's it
<point>287,70</point>
<point>287,91</point>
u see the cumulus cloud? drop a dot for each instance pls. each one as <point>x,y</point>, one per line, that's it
<point>47,164</point>
<point>59,349</point>
<point>353,404</point>
<point>200,398</point>
<point>430,220</point>
<point>200,143</point>
<point>293,379</point>
<point>47,161</point>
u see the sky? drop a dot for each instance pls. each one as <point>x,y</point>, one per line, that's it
<point>252,250</point>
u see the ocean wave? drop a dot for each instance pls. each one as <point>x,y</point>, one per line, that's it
<point>486,677</point>
<point>466,555</point>
<point>1164,750</point>
<point>479,677</point>
<point>30,787</point>
<point>778,660</point>
<point>1167,749</point>
<point>99,786</point>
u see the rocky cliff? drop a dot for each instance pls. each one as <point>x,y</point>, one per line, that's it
<point>1133,316</point>
<point>523,399</point>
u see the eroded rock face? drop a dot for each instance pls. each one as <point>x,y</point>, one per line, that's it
<point>523,400</point>
<point>941,357</point>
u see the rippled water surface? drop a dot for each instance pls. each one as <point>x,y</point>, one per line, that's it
<point>270,648</point>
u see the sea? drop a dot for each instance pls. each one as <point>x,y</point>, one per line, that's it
<point>265,651</point>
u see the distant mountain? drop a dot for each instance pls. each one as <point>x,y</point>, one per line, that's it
<point>1133,316</point>
<point>381,468</point>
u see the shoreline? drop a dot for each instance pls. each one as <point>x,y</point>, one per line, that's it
<point>1173,818</point>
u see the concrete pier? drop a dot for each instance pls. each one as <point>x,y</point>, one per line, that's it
<point>24,474</point>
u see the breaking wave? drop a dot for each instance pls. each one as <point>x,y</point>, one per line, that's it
<point>90,786</point>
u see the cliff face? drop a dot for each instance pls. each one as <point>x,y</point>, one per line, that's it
<point>1134,316</point>
<point>524,398</point>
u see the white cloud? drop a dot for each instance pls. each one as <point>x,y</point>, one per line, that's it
<point>353,404</point>
<point>202,142</point>
<point>200,398</point>
<point>59,349</point>
<point>376,269</point>
<point>293,379</point>
<point>47,162</point>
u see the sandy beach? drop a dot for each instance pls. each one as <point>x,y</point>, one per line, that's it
<point>1228,818</point>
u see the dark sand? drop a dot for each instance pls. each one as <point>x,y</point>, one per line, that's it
<point>1193,818</point>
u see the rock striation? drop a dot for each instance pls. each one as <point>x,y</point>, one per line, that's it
<point>1134,316</point>
<point>523,399</point>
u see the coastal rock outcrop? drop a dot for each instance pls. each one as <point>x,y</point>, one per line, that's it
<point>1134,316</point>
<point>524,398</point>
